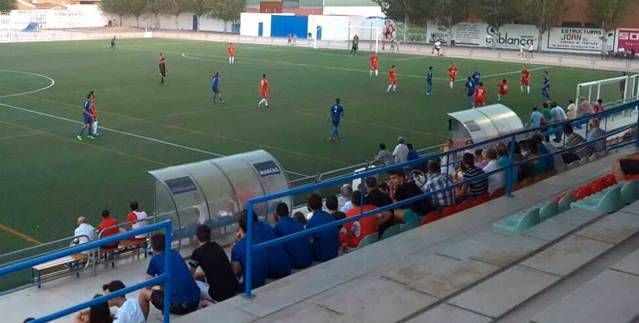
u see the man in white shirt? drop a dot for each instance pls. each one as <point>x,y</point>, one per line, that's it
<point>400,153</point>
<point>129,310</point>
<point>496,180</point>
<point>137,218</point>
<point>84,232</point>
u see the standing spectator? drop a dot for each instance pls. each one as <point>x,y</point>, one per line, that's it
<point>400,153</point>
<point>238,255</point>
<point>558,116</point>
<point>278,263</point>
<point>598,107</point>
<point>585,108</point>
<point>572,140</point>
<point>185,295</point>
<point>346,191</point>
<point>221,282</point>
<point>353,232</point>
<point>475,186</point>
<point>137,219</point>
<point>384,156</point>
<point>594,134</point>
<point>412,153</point>
<point>403,190</point>
<point>545,110</point>
<point>495,180</point>
<point>332,205</point>
<point>536,118</point>
<point>84,232</point>
<point>108,227</point>
<point>571,110</point>
<point>504,161</point>
<point>129,310</point>
<point>325,243</point>
<point>299,250</point>
<point>438,181</point>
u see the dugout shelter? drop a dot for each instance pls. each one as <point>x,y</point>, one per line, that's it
<point>483,123</point>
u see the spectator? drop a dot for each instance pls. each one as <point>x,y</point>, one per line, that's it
<point>84,232</point>
<point>475,186</point>
<point>412,153</point>
<point>598,107</point>
<point>571,110</point>
<point>495,180</point>
<point>129,310</point>
<point>346,191</point>
<point>325,243</point>
<point>108,227</point>
<point>594,134</point>
<point>550,162</point>
<point>238,255</point>
<point>504,160</point>
<point>538,165</point>
<point>278,264</point>
<point>137,219</point>
<point>374,196</point>
<point>438,181</point>
<point>185,294</point>
<point>400,153</point>
<point>383,187</point>
<point>524,170</point>
<point>221,282</point>
<point>299,250</point>
<point>332,205</point>
<point>536,119</point>
<point>353,232</point>
<point>384,156</point>
<point>572,140</point>
<point>99,313</point>
<point>299,216</point>
<point>480,157</point>
<point>546,111</point>
<point>403,190</point>
<point>558,116</point>
<point>585,108</point>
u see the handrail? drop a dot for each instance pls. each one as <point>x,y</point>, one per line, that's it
<point>159,280</point>
<point>508,170</point>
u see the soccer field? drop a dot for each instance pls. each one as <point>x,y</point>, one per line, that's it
<point>49,178</point>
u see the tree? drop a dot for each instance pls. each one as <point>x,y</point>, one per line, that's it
<point>497,12</point>
<point>201,8</point>
<point>448,13</point>
<point>609,13</point>
<point>7,5</point>
<point>156,7</point>
<point>114,7</point>
<point>136,8</point>
<point>410,11</point>
<point>228,10</point>
<point>175,8</point>
<point>541,13</point>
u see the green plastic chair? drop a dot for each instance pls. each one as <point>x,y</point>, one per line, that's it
<point>408,226</point>
<point>391,231</point>
<point>548,210</point>
<point>607,201</point>
<point>369,239</point>
<point>519,222</point>
<point>564,202</point>
<point>630,192</point>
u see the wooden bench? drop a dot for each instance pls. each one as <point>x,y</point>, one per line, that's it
<point>125,247</point>
<point>58,267</point>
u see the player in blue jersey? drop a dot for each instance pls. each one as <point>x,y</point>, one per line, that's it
<point>545,90</point>
<point>470,90</point>
<point>87,117</point>
<point>429,81</point>
<point>336,114</point>
<point>215,87</point>
<point>476,77</point>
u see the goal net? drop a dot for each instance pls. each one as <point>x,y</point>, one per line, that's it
<point>611,92</point>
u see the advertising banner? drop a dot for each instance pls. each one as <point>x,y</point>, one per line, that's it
<point>484,35</point>
<point>589,40</point>
<point>628,39</point>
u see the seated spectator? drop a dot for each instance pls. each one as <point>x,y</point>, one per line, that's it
<point>84,232</point>
<point>299,250</point>
<point>332,204</point>
<point>218,280</point>
<point>476,186</point>
<point>278,264</point>
<point>108,227</point>
<point>548,162</point>
<point>538,164</point>
<point>374,196</point>
<point>346,191</point>
<point>438,181</point>
<point>325,244</point>
<point>572,140</point>
<point>353,232</point>
<point>495,180</point>
<point>598,107</point>
<point>129,310</point>
<point>384,188</point>
<point>480,158</point>
<point>524,170</point>
<point>571,110</point>
<point>137,219</point>
<point>384,156</point>
<point>584,108</point>
<point>238,255</point>
<point>504,160</point>
<point>401,189</point>
<point>400,153</point>
<point>299,216</point>
<point>596,133</point>
<point>96,314</point>
<point>412,153</point>
<point>185,294</point>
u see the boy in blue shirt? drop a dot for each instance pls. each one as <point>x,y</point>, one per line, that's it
<point>215,87</point>
<point>336,114</point>
<point>238,255</point>
<point>277,260</point>
<point>185,294</point>
<point>470,90</point>
<point>429,81</point>
<point>545,90</point>
<point>298,250</point>
<point>326,242</point>
<point>476,77</point>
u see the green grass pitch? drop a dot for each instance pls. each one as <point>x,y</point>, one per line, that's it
<point>48,178</point>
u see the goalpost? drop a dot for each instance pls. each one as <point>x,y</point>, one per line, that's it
<point>616,90</point>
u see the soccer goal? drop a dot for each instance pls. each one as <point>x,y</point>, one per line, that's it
<point>614,90</point>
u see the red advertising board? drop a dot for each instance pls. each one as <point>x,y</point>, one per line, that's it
<point>628,39</point>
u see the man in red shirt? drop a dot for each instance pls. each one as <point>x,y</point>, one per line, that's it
<point>525,80</point>
<point>480,96</point>
<point>392,80</point>
<point>352,233</point>
<point>502,89</point>
<point>374,64</point>
<point>231,50</point>
<point>264,91</point>
<point>108,227</point>
<point>452,74</point>
<point>598,107</point>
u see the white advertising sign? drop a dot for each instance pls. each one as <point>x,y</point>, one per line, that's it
<point>567,39</point>
<point>484,35</point>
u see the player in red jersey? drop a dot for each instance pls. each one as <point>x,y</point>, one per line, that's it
<point>524,81</point>
<point>480,96</point>
<point>94,113</point>
<point>392,80</point>
<point>502,89</point>
<point>374,64</point>
<point>231,50</point>
<point>452,74</point>
<point>264,91</point>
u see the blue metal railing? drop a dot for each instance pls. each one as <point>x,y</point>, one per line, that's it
<point>509,171</point>
<point>159,280</point>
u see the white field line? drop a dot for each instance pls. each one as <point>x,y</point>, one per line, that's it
<point>51,84</point>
